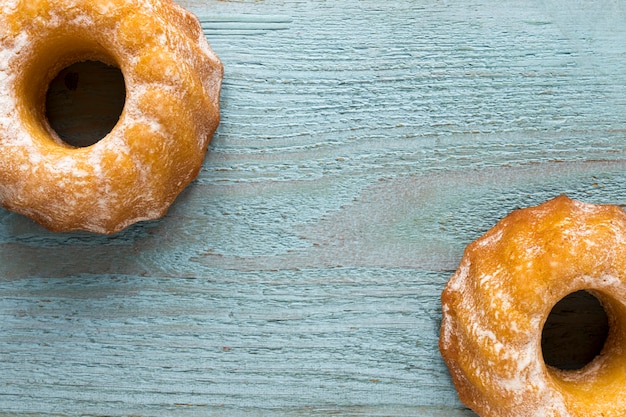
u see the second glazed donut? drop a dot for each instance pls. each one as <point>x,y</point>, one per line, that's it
<point>495,306</point>
<point>156,149</point>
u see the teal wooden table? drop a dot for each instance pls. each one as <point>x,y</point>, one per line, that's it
<point>363,145</point>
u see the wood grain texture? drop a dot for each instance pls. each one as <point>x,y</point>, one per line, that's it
<point>362,146</point>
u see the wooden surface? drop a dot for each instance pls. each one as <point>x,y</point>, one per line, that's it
<point>363,145</point>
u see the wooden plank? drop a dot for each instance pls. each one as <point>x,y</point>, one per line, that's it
<point>363,145</point>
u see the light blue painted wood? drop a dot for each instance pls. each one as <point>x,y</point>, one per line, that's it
<point>363,145</point>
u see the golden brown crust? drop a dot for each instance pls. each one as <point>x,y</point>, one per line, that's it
<point>172,77</point>
<point>496,304</point>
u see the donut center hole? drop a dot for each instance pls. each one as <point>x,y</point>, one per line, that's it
<point>84,102</point>
<point>575,331</point>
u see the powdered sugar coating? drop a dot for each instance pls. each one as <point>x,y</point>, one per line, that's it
<point>496,304</point>
<point>172,77</point>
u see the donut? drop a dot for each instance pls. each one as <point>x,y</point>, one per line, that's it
<point>157,147</point>
<point>496,303</point>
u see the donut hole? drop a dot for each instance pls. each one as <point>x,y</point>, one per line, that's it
<point>95,86</point>
<point>601,380</point>
<point>575,332</point>
<point>84,102</point>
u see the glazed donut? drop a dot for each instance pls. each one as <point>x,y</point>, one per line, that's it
<point>172,79</point>
<point>497,302</point>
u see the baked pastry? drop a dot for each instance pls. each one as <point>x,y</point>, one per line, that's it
<point>495,305</point>
<point>157,147</point>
